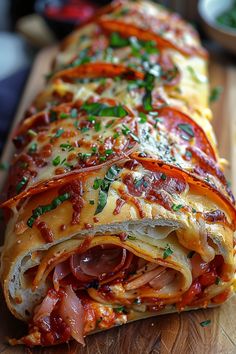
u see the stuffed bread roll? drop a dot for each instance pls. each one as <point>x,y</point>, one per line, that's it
<point>117,206</point>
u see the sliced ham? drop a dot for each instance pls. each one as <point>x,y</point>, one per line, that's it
<point>72,312</point>
<point>46,307</point>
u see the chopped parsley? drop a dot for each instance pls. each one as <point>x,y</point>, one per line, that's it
<point>67,146</point>
<point>91,202</point>
<point>97,183</point>
<point>215,93</point>
<point>132,238</point>
<point>104,186</point>
<point>167,252</point>
<point>143,117</point>
<point>186,128</point>
<point>64,115</point>
<point>103,110</point>
<point>56,161</point>
<point>205,323</point>
<point>177,207</point>
<point>20,185</point>
<point>119,309</point>
<point>32,132</point>
<point>127,131</point>
<point>217,281</point>
<point>74,113</point>
<point>33,148</point>
<point>42,209</point>
<point>163,176</point>
<point>58,133</point>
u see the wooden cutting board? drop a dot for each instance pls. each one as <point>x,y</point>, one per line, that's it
<point>181,334</point>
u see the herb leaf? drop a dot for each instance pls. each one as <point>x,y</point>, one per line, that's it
<point>110,177</point>
<point>215,93</point>
<point>167,252</point>
<point>20,185</point>
<point>185,127</point>
<point>205,323</point>
<point>103,110</point>
<point>42,209</point>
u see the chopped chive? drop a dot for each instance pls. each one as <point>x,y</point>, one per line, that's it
<point>215,93</point>
<point>64,115</point>
<point>185,127</point>
<point>91,202</point>
<point>177,207</point>
<point>143,117</point>
<point>58,133</point>
<point>42,209</point>
<point>97,183</point>
<point>132,238</point>
<point>74,113</point>
<point>205,323</point>
<point>163,176</point>
<point>56,161</point>
<point>20,185</point>
<point>33,148</point>
<point>32,132</point>
<point>167,252</point>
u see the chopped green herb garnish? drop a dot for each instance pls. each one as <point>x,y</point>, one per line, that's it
<point>117,41</point>
<point>109,151</point>
<point>186,128</point>
<point>188,154</point>
<point>143,117</point>
<point>110,177</point>
<point>132,238</point>
<point>91,202</point>
<point>116,135</point>
<point>163,176</point>
<point>94,149</point>
<point>67,146</point>
<point>205,323</point>
<point>32,132</point>
<point>190,254</point>
<point>97,183</point>
<point>33,148</point>
<point>20,185</point>
<point>217,281</point>
<point>64,115</point>
<point>74,113</point>
<point>56,161</point>
<point>59,133</point>
<point>127,131</point>
<point>167,252</point>
<point>215,93</point>
<point>119,309</point>
<point>84,156</point>
<point>42,209</point>
<point>103,110</point>
<point>97,126</point>
<point>102,158</point>
<point>177,207</point>
<point>84,129</point>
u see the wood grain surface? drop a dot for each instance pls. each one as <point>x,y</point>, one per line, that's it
<point>175,333</point>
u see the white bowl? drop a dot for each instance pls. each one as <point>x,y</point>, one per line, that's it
<point>209,10</point>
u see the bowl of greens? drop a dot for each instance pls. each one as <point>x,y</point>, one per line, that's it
<point>219,20</point>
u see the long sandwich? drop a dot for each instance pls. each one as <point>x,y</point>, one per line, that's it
<point>117,206</point>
